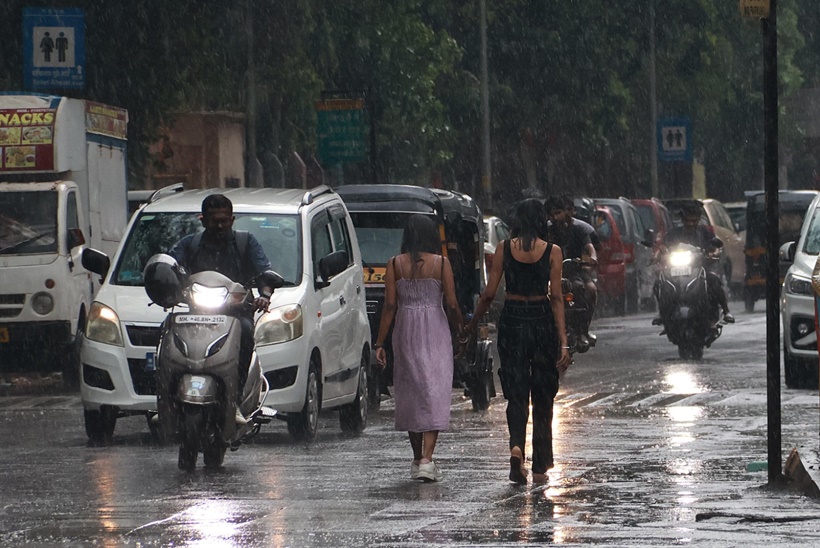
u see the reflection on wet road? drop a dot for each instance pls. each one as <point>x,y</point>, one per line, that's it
<point>644,444</point>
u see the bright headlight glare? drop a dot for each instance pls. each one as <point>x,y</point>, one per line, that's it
<point>798,286</point>
<point>103,325</point>
<point>281,324</point>
<point>208,297</point>
<point>680,258</point>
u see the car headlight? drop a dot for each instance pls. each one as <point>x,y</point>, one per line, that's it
<point>798,286</point>
<point>680,258</point>
<point>103,325</point>
<point>281,324</point>
<point>208,297</point>
<point>42,303</point>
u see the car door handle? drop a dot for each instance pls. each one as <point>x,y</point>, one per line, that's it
<point>358,289</point>
<point>342,301</point>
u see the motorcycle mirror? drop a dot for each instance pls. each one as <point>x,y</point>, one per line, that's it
<point>271,279</point>
<point>716,243</point>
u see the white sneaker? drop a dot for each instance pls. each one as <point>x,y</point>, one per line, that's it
<point>414,470</point>
<point>429,471</point>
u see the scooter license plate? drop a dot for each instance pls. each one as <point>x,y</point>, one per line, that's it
<point>151,361</point>
<point>191,318</point>
<point>680,271</point>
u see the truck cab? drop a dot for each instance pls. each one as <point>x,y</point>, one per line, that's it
<point>62,188</point>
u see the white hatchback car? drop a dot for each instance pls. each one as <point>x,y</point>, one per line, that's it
<point>313,345</point>
<point>797,303</point>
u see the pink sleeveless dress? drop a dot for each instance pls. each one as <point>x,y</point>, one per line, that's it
<point>422,356</point>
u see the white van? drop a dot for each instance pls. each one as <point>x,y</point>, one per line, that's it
<point>314,344</point>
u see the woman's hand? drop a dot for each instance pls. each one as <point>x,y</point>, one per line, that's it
<point>563,360</point>
<point>381,357</point>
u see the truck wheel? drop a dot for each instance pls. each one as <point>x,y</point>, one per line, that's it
<point>353,417</point>
<point>99,425</point>
<point>303,425</point>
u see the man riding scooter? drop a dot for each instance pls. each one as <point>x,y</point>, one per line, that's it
<point>235,254</point>
<point>569,234</point>
<point>693,233</point>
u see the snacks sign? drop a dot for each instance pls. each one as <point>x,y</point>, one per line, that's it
<point>27,139</point>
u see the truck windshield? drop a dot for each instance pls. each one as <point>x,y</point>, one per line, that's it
<point>379,235</point>
<point>28,223</point>
<point>152,233</point>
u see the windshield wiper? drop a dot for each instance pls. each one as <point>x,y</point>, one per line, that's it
<point>26,241</point>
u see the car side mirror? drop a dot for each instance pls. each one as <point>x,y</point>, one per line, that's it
<point>75,238</point>
<point>96,262</point>
<point>787,251</point>
<point>649,238</point>
<point>332,264</point>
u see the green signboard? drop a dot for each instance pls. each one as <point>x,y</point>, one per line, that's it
<point>341,132</point>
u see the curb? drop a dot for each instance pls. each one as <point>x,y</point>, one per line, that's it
<point>803,469</point>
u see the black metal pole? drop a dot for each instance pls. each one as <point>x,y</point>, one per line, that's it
<point>770,169</point>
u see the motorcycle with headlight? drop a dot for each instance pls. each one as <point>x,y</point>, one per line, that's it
<point>576,312</point>
<point>690,317</point>
<point>197,361</point>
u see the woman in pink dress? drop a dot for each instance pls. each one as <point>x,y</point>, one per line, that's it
<point>418,286</point>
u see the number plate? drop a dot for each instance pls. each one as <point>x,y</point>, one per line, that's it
<point>680,271</point>
<point>151,361</point>
<point>213,320</point>
<point>374,275</point>
<point>4,334</point>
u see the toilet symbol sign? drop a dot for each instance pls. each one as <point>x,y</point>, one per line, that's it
<point>674,140</point>
<point>53,49</point>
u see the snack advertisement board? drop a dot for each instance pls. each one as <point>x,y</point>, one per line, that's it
<point>27,139</point>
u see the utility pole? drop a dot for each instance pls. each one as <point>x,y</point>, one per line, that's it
<point>486,167</point>
<point>770,175</point>
<point>251,163</point>
<point>653,104</point>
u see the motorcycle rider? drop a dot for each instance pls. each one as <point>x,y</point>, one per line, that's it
<point>235,254</point>
<point>693,233</point>
<point>574,239</point>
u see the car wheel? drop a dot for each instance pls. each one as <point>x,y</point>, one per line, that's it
<point>99,425</point>
<point>353,417</point>
<point>799,373</point>
<point>303,425</point>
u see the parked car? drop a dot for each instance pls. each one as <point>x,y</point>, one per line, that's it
<point>655,217</point>
<point>313,345</point>
<point>737,211</point>
<point>797,303</point>
<point>611,261</point>
<point>793,207</point>
<point>640,274</point>
<point>495,230</point>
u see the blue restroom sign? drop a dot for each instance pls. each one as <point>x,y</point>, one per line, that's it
<point>53,49</point>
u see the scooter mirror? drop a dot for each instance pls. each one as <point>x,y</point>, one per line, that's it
<point>271,279</point>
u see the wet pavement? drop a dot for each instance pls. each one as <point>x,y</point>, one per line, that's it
<point>650,451</point>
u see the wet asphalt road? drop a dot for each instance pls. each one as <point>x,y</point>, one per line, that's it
<point>650,451</point>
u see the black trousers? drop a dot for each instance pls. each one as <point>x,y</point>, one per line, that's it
<point>528,348</point>
<point>246,345</point>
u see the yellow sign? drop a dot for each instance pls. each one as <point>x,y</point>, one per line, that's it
<point>374,275</point>
<point>756,9</point>
<point>4,334</point>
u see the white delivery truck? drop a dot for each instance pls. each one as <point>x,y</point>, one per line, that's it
<point>63,186</point>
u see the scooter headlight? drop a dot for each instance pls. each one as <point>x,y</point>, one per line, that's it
<point>680,258</point>
<point>208,297</point>
<point>798,286</point>
<point>103,325</point>
<point>281,324</point>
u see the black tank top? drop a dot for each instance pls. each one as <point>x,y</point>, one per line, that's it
<point>526,279</point>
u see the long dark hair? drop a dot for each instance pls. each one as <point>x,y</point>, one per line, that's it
<point>420,236</point>
<point>529,223</point>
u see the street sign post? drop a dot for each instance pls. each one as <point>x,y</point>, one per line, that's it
<point>53,49</point>
<point>674,140</point>
<point>341,132</point>
<point>755,9</point>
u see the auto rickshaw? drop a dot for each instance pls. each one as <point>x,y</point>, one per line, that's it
<point>379,214</point>
<point>793,206</point>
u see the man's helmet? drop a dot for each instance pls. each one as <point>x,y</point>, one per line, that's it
<point>164,280</point>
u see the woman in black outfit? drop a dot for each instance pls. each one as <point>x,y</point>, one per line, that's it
<point>532,340</point>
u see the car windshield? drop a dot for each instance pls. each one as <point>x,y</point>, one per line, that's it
<point>812,243</point>
<point>28,223</point>
<point>379,235</point>
<point>152,233</point>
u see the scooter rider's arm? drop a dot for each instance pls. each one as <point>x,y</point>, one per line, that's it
<point>260,264</point>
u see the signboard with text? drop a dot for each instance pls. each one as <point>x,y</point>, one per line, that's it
<point>341,132</point>
<point>27,139</point>
<point>53,49</point>
<point>755,9</point>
